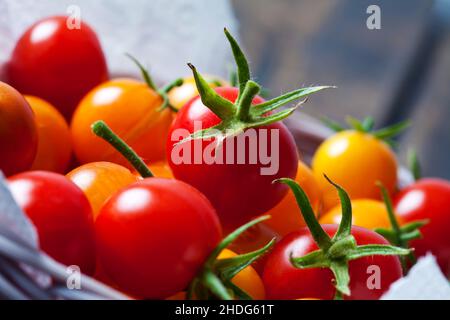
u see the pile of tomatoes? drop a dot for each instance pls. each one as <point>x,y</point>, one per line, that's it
<point>89,159</point>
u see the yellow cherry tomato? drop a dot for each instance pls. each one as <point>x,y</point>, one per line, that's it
<point>179,96</point>
<point>356,161</point>
<point>286,215</point>
<point>54,141</point>
<point>132,110</point>
<point>367,213</point>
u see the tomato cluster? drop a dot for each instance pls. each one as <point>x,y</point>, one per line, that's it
<point>196,190</point>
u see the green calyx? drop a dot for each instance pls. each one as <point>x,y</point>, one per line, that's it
<point>239,116</point>
<point>334,253</point>
<point>162,92</point>
<point>400,235</point>
<point>367,126</point>
<point>102,130</point>
<point>215,279</point>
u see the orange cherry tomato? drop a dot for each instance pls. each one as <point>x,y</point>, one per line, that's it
<point>18,133</point>
<point>132,110</point>
<point>179,96</point>
<point>367,213</point>
<point>99,180</point>
<point>160,169</point>
<point>54,141</point>
<point>286,215</point>
<point>356,161</point>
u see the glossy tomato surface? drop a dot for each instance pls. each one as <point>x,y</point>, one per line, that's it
<point>283,281</point>
<point>239,190</point>
<point>154,236</point>
<point>18,132</point>
<point>428,199</point>
<point>57,63</point>
<point>62,216</point>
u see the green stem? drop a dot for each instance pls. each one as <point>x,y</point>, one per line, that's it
<point>144,72</point>
<point>346,222</point>
<point>250,91</point>
<point>101,129</point>
<point>176,83</point>
<point>414,164</point>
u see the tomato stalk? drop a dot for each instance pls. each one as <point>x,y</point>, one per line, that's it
<point>334,253</point>
<point>414,164</point>
<point>215,278</point>
<point>162,92</point>
<point>400,236</point>
<point>237,117</point>
<point>102,130</point>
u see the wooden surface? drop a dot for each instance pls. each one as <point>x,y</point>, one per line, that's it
<point>401,71</point>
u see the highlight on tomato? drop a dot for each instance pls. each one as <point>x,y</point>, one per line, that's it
<point>61,214</point>
<point>331,261</point>
<point>57,63</point>
<point>18,132</point>
<point>207,129</point>
<point>357,158</point>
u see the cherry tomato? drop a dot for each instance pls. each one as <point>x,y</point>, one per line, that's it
<point>154,236</point>
<point>237,191</point>
<point>18,133</point>
<point>131,109</point>
<point>367,213</point>
<point>54,141</point>
<point>62,216</point>
<point>286,215</point>
<point>99,180</point>
<point>284,281</point>
<point>179,96</point>
<point>160,169</point>
<point>356,161</point>
<point>428,199</point>
<point>57,63</point>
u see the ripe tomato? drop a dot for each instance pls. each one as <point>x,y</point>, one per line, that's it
<point>18,133</point>
<point>355,160</point>
<point>62,216</point>
<point>283,281</point>
<point>367,213</point>
<point>160,169</point>
<point>428,199</point>
<point>286,215</point>
<point>154,236</point>
<point>131,109</point>
<point>54,141</point>
<point>56,63</point>
<point>237,191</point>
<point>99,180</point>
<point>179,96</point>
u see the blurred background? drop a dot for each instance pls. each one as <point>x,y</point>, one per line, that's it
<point>401,71</point>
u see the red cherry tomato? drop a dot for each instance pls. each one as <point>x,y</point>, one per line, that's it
<point>154,236</point>
<point>428,199</point>
<point>56,63</point>
<point>62,216</point>
<point>18,132</point>
<point>237,191</point>
<point>283,281</point>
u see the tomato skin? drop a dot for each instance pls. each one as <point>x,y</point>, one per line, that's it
<point>286,215</point>
<point>131,109</point>
<point>18,132</point>
<point>356,161</point>
<point>237,191</point>
<point>428,199</point>
<point>54,141</point>
<point>283,281</point>
<point>56,63</point>
<point>62,216</point>
<point>366,213</point>
<point>154,236</point>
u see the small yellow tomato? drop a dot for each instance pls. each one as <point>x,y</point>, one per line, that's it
<point>356,161</point>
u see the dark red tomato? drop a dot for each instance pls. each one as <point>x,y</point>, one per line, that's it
<point>18,132</point>
<point>428,199</point>
<point>56,63</point>
<point>154,236</point>
<point>283,281</point>
<point>62,216</point>
<point>238,191</point>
